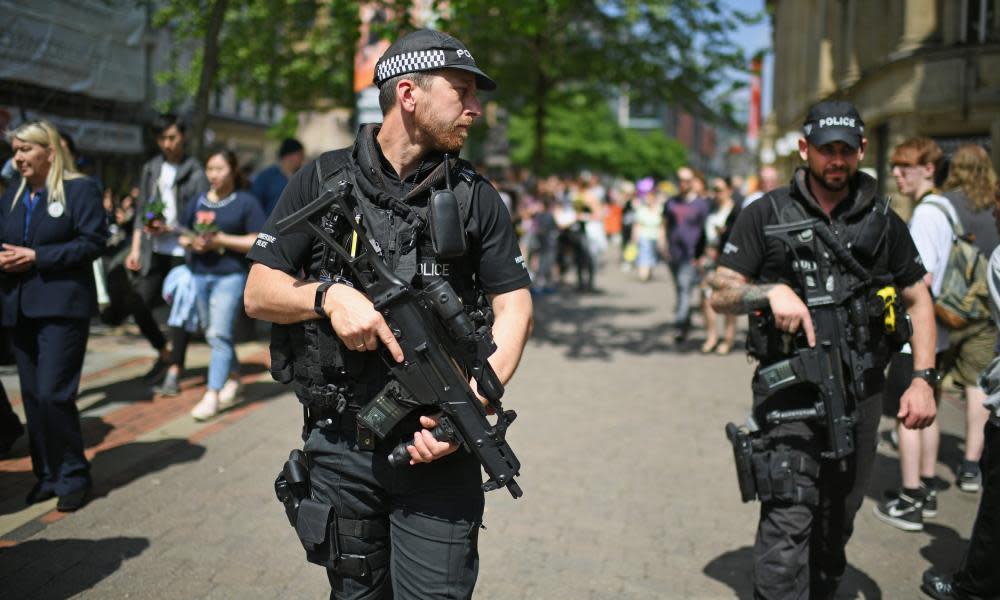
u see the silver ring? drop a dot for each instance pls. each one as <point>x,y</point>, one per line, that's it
<point>359,346</point>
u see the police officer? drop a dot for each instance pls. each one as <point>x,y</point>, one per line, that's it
<point>802,533</point>
<point>409,532</point>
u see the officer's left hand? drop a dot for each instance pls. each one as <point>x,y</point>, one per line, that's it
<point>916,407</point>
<point>425,448</point>
<point>16,259</point>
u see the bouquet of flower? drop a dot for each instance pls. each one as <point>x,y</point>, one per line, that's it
<point>204,222</point>
<point>153,212</point>
<point>204,225</point>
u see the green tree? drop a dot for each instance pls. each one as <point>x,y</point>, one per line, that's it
<point>581,134</point>
<point>674,51</point>
<point>296,53</point>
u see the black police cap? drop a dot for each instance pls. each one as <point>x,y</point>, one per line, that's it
<point>427,50</point>
<point>834,121</point>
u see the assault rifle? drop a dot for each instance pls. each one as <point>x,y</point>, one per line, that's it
<point>441,348</point>
<point>840,315</point>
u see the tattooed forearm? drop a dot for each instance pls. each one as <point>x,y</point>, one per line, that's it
<point>733,294</point>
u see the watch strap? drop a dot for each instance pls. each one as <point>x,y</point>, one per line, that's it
<point>931,376</point>
<point>320,297</point>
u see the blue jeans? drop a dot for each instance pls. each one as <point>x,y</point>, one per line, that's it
<point>218,300</point>
<point>685,278</point>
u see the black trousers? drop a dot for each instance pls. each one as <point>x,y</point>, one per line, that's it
<point>979,576</point>
<point>799,549</point>
<point>147,294</point>
<point>433,511</point>
<point>49,355</point>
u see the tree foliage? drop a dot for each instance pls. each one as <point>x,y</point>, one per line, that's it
<point>672,51</point>
<point>582,134</point>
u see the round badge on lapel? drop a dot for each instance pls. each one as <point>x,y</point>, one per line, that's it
<point>56,210</point>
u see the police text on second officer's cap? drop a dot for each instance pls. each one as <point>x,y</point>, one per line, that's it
<point>834,121</point>
<point>427,50</point>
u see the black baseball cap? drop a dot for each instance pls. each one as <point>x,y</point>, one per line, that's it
<point>428,50</point>
<point>833,121</point>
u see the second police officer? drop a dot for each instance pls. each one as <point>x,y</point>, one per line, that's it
<point>807,517</point>
<point>409,532</point>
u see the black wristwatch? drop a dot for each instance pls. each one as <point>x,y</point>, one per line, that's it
<point>320,297</point>
<point>929,375</point>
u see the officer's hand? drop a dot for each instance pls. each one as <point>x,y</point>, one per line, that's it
<point>917,408</point>
<point>425,448</point>
<point>790,312</point>
<point>356,321</point>
<point>486,403</point>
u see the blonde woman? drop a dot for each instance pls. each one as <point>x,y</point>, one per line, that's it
<point>969,188</point>
<point>52,227</point>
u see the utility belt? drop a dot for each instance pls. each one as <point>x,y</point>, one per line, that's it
<point>770,475</point>
<point>320,529</point>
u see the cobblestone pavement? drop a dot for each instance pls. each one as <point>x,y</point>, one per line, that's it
<point>629,488</point>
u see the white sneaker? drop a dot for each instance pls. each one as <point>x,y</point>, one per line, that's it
<point>207,408</point>
<point>230,394</point>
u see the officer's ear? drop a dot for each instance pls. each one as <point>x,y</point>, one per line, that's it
<point>803,148</point>
<point>861,149</point>
<point>405,95</point>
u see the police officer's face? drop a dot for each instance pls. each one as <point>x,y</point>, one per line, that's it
<point>832,165</point>
<point>447,108</point>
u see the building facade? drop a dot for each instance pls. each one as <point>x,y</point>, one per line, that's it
<point>912,67</point>
<point>90,67</point>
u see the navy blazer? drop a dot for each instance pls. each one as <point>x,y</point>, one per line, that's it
<point>61,283</point>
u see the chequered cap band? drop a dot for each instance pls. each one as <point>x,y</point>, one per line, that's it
<point>410,62</point>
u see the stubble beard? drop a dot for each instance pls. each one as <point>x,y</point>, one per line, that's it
<point>820,177</point>
<point>444,137</point>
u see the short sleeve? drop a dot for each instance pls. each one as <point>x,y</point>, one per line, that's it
<point>931,234</point>
<point>746,248</point>
<point>287,252</point>
<point>501,267</point>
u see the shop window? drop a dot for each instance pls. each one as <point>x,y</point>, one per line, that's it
<point>980,22</point>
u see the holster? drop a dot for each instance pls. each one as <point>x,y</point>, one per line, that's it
<point>774,473</point>
<point>743,455</point>
<point>320,529</point>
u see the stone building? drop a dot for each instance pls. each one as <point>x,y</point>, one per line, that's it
<point>912,67</point>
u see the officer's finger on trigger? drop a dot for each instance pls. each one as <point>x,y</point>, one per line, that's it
<point>387,338</point>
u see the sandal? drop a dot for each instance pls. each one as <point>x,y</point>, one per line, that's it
<point>724,348</point>
<point>707,348</point>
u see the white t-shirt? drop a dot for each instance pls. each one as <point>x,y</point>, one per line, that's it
<point>932,235</point>
<point>714,223</point>
<point>168,243</point>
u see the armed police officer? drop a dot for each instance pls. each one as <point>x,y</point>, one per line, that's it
<point>410,531</point>
<point>824,268</point>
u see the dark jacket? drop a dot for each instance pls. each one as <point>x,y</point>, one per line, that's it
<point>188,185</point>
<point>61,284</point>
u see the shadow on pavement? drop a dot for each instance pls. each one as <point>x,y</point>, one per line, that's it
<point>54,569</point>
<point>886,478</point>
<point>137,390</point>
<point>946,548</point>
<point>588,331</point>
<point>735,569</point>
<point>113,468</point>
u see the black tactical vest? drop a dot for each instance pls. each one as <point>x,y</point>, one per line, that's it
<point>326,374</point>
